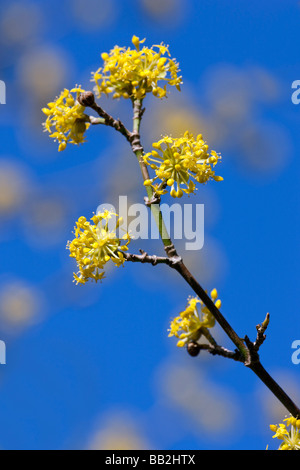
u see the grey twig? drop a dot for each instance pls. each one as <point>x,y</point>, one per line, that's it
<point>220,351</point>
<point>253,347</point>
<point>261,328</point>
<point>94,120</point>
<point>87,99</point>
<point>152,259</point>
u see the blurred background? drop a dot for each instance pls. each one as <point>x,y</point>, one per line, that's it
<point>91,367</point>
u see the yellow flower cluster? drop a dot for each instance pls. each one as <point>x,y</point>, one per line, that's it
<point>180,163</point>
<point>67,118</point>
<point>95,244</point>
<point>290,437</point>
<point>132,73</point>
<point>186,327</point>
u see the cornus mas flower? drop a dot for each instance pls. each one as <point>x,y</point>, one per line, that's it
<point>288,433</point>
<point>132,73</point>
<point>180,163</point>
<point>95,244</point>
<point>186,327</point>
<point>65,119</point>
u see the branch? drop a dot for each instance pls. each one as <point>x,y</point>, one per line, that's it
<point>151,201</point>
<point>212,347</point>
<point>152,259</point>
<point>194,349</point>
<point>93,120</point>
<point>189,278</point>
<point>260,338</point>
<point>261,328</point>
<point>87,99</point>
<point>247,352</point>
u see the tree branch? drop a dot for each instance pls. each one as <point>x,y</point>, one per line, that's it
<point>247,352</point>
<point>94,120</point>
<point>261,328</point>
<point>152,259</point>
<point>214,350</point>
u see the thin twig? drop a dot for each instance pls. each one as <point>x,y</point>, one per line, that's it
<point>137,149</point>
<point>94,120</point>
<point>261,328</point>
<point>220,351</point>
<point>213,347</point>
<point>87,99</point>
<point>152,259</point>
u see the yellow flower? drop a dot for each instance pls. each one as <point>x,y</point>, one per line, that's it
<point>132,73</point>
<point>67,118</point>
<point>288,433</point>
<point>180,163</point>
<point>95,244</point>
<point>187,326</point>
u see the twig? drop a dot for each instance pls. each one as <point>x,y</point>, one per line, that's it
<point>261,328</point>
<point>87,99</point>
<point>137,149</point>
<point>260,338</point>
<point>215,351</point>
<point>94,120</point>
<point>152,259</point>
<point>212,347</point>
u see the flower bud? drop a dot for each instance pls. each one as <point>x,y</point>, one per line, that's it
<point>193,348</point>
